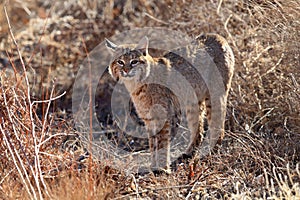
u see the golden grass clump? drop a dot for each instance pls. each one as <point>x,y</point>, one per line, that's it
<point>34,163</point>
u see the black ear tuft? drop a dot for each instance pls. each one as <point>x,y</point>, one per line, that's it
<point>110,45</point>
<point>143,45</point>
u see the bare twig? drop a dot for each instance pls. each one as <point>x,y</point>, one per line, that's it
<point>90,115</point>
<point>37,173</point>
<point>155,19</point>
<point>17,160</point>
<point>219,6</point>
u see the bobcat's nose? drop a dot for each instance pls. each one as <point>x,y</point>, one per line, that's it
<point>126,70</point>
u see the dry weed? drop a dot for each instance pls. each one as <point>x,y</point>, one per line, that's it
<point>260,154</point>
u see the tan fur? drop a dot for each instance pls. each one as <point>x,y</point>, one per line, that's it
<point>158,106</point>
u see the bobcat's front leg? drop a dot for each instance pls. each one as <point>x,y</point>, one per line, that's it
<point>159,144</point>
<point>159,132</point>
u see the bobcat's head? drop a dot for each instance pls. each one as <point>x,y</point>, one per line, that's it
<point>131,62</point>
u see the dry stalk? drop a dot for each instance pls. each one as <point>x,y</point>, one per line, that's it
<point>37,169</point>
<point>36,172</point>
<point>16,161</point>
<point>90,118</point>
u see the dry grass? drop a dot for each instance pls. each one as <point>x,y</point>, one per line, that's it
<point>260,154</point>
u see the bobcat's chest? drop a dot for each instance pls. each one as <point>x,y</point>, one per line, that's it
<point>142,99</point>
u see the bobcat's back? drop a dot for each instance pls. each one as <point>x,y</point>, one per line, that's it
<point>219,51</point>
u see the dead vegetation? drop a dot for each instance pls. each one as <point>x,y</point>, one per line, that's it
<point>260,154</point>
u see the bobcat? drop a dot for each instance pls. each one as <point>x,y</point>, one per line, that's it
<point>157,106</point>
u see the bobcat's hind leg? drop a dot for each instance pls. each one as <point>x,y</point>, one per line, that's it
<point>215,114</point>
<point>195,125</point>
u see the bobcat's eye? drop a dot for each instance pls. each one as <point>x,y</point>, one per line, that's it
<point>121,62</point>
<point>134,62</point>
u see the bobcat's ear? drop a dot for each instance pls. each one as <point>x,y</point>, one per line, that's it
<point>110,45</point>
<point>143,45</point>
